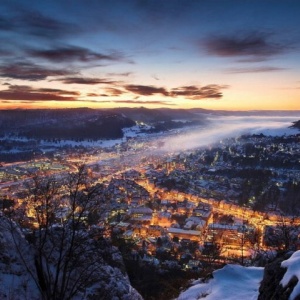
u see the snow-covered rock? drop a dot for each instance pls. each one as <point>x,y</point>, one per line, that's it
<point>18,273</point>
<point>292,274</point>
<point>232,282</point>
<point>15,279</point>
<point>278,280</point>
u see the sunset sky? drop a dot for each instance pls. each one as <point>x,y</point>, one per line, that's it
<point>235,55</point>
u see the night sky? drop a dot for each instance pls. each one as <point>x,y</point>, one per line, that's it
<point>235,55</point>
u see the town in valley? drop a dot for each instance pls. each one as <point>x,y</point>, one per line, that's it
<point>234,201</point>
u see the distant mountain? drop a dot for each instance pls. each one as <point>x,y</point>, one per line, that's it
<point>85,123</point>
<point>96,124</point>
<point>143,114</point>
<point>82,123</point>
<point>269,113</point>
<point>164,119</point>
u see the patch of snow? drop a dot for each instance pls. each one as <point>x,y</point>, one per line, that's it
<point>15,281</point>
<point>135,131</point>
<point>233,282</point>
<point>293,270</point>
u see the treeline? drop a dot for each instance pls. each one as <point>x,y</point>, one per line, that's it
<point>169,125</point>
<point>64,124</point>
<point>17,156</point>
<point>296,124</point>
<point>108,127</point>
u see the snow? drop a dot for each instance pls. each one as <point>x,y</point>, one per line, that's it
<point>233,282</point>
<point>18,283</point>
<point>293,270</point>
<point>15,281</point>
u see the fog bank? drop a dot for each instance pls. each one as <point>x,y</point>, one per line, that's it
<point>221,127</point>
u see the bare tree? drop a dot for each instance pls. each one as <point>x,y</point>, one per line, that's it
<point>287,234</point>
<point>67,255</point>
<point>213,250</point>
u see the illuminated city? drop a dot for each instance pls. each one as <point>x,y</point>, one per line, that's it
<point>149,149</point>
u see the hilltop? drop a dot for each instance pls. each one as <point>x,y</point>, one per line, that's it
<point>296,124</point>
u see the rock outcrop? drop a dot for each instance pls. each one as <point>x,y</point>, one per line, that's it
<point>19,276</point>
<point>271,287</point>
<point>15,279</point>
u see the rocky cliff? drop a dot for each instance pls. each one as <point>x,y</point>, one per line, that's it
<point>280,279</point>
<point>19,277</point>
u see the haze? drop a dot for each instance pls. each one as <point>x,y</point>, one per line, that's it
<point>222,127</point>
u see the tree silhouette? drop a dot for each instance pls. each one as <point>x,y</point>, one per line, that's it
<point>67,255</point>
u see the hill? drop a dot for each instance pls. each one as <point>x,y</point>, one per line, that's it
<point>296,124</point>
<point>80,123</point>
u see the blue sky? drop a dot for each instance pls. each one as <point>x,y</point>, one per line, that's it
<point>211,54</point>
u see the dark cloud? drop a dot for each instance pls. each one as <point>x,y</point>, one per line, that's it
<point>47,27</point>
<point>254,70</point>
<point>34,23</point>
<point>98,101</point>
<point>193,92</point>
<point>125,74</point>
<point>93,95</point>
<point>146,90</point>
<point>24,92</point>
<point>4,52</point>
<point>256,45</point>
<point>114,92</point>
<point>5,24</point>
<point>30,71</point>
<point>211,91</point>
<point>86,80</point>
<point>58,91</point>
<point>144,102</point>
<point>73,54</point>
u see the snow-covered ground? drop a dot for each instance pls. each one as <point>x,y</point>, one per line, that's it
<point>233,282</point>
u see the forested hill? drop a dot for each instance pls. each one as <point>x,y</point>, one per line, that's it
<point>80,123</point>
<point>95,124</point>
<point>296,124</point>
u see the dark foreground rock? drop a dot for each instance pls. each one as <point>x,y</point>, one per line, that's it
<point>19,274</point>
<point>270,288</point>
